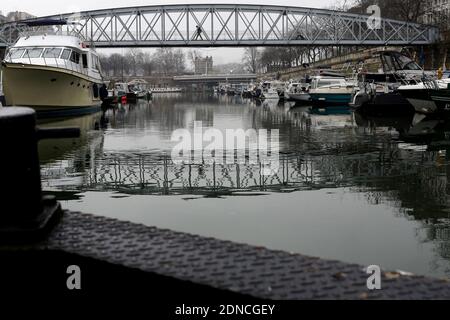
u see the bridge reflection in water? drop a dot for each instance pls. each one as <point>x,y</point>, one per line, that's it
<point>387,159</point>
<point>402,163</point>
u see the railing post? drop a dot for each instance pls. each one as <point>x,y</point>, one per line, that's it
<point>28,54</point>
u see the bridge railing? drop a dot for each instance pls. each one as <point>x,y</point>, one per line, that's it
<point>235,25</point>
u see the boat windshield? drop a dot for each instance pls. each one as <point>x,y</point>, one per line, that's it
<point>398,62</point>
<point>406,63</point>
<point>328,82</point>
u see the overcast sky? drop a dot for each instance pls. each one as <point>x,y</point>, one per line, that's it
<point>220,56</point>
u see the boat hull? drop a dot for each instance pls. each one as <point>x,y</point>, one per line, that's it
<point>298,97</point>
<point>382,103</point>
<point>331,98</point>
<point>48,88</point>
<point>428,101</point>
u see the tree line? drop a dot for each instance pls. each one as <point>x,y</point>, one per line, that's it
<point>136,62</point>
<point>273,59</point>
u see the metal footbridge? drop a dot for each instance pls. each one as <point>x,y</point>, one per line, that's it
<point>230,25</point>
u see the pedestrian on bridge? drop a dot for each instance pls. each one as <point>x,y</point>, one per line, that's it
<point>199,33</point>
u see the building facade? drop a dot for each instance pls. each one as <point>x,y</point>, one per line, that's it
<point>18,15</point>
<point>2,18</point>
<point>437,12</point>
<point>204,65</point>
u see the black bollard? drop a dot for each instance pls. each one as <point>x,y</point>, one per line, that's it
<point>25,214</point>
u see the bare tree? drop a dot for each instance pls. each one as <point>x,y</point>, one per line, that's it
<point>169,61</point>
<point>106,64</point>
<point>135,58</point>
<point>148,65</point>
<point>179,60</point>
<point>119,65</point>
<point>194,55</point>
<point>251,59</point>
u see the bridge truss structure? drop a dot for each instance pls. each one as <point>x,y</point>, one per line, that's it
<point>234,25</point>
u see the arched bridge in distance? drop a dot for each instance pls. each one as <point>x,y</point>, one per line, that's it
<point>219,25</point>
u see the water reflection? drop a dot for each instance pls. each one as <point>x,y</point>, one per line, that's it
<point>398,166</point>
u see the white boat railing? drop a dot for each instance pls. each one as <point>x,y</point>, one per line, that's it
<point>71,30</point>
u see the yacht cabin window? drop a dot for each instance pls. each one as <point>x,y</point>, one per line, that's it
<point>33,53</point>
<point>95,62</point>
<point>85,61</point>
<point>56,53</point>
<point>66,54</point>
<point>328,82</point>
<point>75,57</point>
<point>16,53</point>
<point>52,53</point>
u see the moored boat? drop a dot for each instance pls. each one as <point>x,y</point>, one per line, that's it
<point>297,92</point>
<point>270,91</point>
<point>429,96</point>
<point>124,89</point>
<point>52,72</point>
<point>331,90</point>
<point>379,80</point>
<point>138,88</point>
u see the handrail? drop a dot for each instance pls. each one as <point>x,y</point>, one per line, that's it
<point>68,65</point>
<point>29,59</point>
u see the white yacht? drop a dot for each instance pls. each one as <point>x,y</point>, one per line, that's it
<point>270,90</point>
<point>297,91</point>
<point>50,72</point>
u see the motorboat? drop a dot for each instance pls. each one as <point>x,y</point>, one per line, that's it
<point>270,90</point>
<point>428,96</point>
<point>124,89</point>
<point>139,92</point>
<point>138,86</point>
<point>379,80</point>
<point>331,90</point>
<point>52,71</point>
<point>298,92</point>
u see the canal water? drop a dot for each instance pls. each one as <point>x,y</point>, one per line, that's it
<point>351,188</point>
